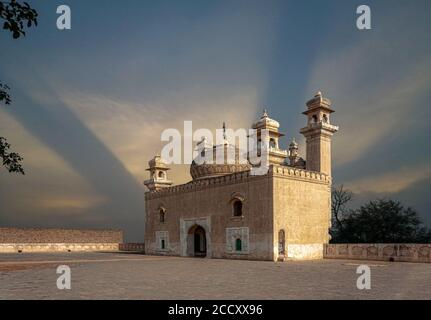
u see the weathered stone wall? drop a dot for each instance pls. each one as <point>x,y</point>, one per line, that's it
<point>302,209</point>
<point>57,247</point>
<point>208,203</point>
<point>385,252</point>
<point>46,240</point>
<point>34,235</point>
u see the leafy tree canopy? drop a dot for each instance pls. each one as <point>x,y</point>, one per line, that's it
<point>17,16</point>
<point>382,221</point>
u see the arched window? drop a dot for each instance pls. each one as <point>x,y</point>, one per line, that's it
<point>238,245</point>
<point>325,118</point>
<point>162,215</point>
<point>237,208</point>
<point>272,143</point>
<point>314,119</point>
<point>161,175</point>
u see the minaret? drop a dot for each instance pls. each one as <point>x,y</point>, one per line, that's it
<point>318,133</point>
<point>276,155</point>
<point>158,174</point>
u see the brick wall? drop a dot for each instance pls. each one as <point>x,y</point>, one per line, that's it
<point>39,236</point>
<point>404,252</point>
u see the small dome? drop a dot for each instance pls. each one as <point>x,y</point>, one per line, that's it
<point>265,121</point>
<point>157,162</point>
<point>318,100</point>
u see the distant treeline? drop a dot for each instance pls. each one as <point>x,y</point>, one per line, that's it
<point>379,221</point>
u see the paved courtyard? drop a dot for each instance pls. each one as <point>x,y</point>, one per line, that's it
<point>134,276</point>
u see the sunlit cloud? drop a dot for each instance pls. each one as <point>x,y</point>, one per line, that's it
<point>36,154</point>
<point>69,204</point>
<point>132,131</point>
<point>50,183</point>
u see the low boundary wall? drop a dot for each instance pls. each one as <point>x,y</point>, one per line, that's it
<point>14,240</point>
<point>404,252</point>
<point>57,247</point>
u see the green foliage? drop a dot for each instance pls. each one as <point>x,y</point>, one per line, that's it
<point>11,160</point>
<point>4,95</point>
<point>17,16</point>
<point>382,221</point>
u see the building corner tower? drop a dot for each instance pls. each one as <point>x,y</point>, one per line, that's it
<point>318,133</point>
<point>158,174</point>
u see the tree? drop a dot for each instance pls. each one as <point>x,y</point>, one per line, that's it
<point>11,160</point>
<point>383,221</point>
<point>16,17</point>
<point>340,198</point>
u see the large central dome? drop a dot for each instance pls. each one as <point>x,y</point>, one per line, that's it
<point>226,159</point>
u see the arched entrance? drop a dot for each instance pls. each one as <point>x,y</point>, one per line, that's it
<point>197,242</point>
<point>281,245</point>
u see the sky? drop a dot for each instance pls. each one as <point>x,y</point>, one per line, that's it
<point>89,104</point>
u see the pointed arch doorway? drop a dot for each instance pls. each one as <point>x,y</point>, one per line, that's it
<point>196,242</point>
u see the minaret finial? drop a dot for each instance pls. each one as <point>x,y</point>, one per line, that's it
<point>265,113</point>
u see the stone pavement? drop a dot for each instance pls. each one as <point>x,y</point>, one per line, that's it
<point>135,276</point>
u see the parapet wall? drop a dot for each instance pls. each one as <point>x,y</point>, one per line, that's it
<point>55,240</point>
<point>274,170</point>
<point>299,174</point>
<point>404,252</point>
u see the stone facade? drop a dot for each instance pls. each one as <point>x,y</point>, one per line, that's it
<point>293,200</point>
<point>55,240</point>
<point>302,209</point>
<point>403,252</point>
<point>226,212</point>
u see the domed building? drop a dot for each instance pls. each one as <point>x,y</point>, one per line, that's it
<point>229,211</point>
<point>210,167</point>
